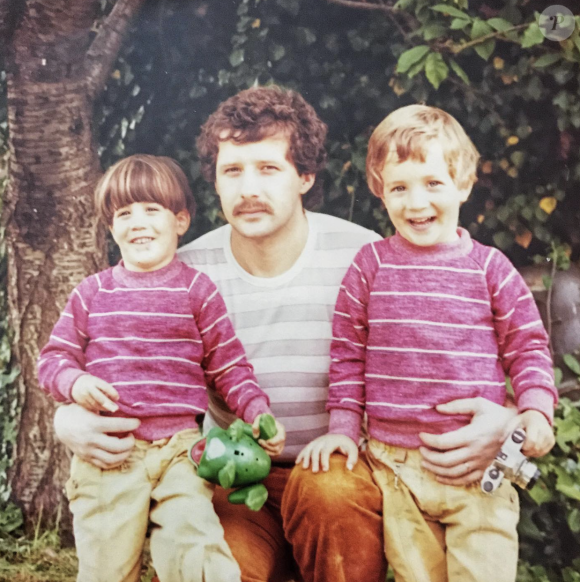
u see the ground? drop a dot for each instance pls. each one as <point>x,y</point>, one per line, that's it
<point>41,558</point>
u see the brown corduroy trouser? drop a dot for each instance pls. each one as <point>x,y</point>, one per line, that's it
<point>328,524</point>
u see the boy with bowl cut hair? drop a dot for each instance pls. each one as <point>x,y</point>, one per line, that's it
<point>425,317</point>
<point>144,178</point>
<point>145,339</point>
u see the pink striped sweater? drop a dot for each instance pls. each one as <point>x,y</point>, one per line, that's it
<point>415,327</point>
<point>161,338</point>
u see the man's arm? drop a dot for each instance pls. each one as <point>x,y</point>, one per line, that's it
<point>460,457</point>
<point>104,441</point>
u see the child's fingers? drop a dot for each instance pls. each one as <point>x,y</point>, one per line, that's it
<point>108,390</point>
<point>102,401</point>
<point>351,453</point>
<point>539,445</point>
<point>325,453</point>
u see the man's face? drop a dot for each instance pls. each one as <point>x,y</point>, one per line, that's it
<point>259,188</point>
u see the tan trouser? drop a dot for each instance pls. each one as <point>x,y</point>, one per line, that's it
<point>441,533</point>
<point>111,511</point>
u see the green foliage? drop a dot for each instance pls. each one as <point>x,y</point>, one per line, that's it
<point>550,513</point>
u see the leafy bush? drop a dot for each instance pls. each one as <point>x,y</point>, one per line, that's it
<point>550,515</point>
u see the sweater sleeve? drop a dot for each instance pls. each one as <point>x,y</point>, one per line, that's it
<point>346,393</point>
<point>62,360</point>
<point>523,341</point>
<point>225,364</point>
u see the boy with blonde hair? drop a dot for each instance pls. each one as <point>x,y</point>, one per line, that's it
<point>422,318</point>
<point>145,339</point>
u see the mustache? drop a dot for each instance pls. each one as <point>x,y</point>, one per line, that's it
<point>251,206</point>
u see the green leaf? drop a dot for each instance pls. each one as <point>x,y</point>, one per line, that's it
<point>547,60</point>
<point>416,69</point>
<point>540,493</point>
<point>450,11</point>
<point>436,69</point>
<point>432,31</point>
<point>547,281</point>
<point>503,239</point>
<point>459,72</point>
<point>458,23</point>
<point>306,36</point>
<point>480,28</point>
<point>237,57</point>
<point>567,484</point>
<point>485,49</point>
<point>558,375</point>
<point>411,57</point>
<point>567,431</point>
<point>572,363</point>
<point>532,36</point>
<point>573,520</point>
<point>277,52</point>
<point>500,24</point>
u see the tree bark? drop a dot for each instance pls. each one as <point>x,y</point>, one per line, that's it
<point>51,235</point>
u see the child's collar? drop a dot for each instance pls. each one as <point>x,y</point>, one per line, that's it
<point>449,250</point>
<point>147,278</point>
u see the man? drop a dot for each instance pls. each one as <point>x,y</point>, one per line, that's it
<point>279,269</point>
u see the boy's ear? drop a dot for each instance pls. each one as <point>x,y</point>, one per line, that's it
<point>465,192</point>
<point>307,182</point>
<point>183,222</point>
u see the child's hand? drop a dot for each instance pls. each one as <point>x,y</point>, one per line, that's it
<point>94,394</point>
<point>274,445</point>
<point>539,434</point>
<point>319,450</point>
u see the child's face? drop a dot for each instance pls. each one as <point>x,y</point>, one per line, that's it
<point>421,198</point>
<point>147,234</point>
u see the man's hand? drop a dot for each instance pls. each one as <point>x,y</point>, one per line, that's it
<point>94,394</point>
<point>319,450</point>
<point>275,445</point>
<point>92,437</point>
<point>539,434</point>
<point>460,457</point>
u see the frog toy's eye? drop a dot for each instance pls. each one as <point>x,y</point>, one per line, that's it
<point>215,449</point>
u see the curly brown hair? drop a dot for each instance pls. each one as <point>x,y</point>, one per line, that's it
<point>261,112</point>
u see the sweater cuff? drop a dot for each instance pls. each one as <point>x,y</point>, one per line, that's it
<point>65,381</point>
<point>346,422</point>
<point>256,406</point>
<point>540,400</point>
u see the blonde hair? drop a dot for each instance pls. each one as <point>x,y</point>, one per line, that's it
<point>407,132</point>
<point>143,178</point>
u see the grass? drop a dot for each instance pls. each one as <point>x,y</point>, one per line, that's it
<point>42,558</point>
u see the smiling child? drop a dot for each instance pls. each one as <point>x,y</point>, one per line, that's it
<point>147,339</point>
<point>422,318</point>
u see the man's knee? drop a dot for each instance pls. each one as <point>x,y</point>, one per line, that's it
<point>329,492</point>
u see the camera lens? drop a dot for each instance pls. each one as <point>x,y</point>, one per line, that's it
<point>534,479</point>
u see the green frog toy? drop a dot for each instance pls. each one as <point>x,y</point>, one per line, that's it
<point>232,457</point>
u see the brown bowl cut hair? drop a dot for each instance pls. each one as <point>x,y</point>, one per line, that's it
<point>407,132</point>
<point>143,178</point>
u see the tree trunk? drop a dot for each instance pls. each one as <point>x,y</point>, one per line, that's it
<point>54,71</point>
